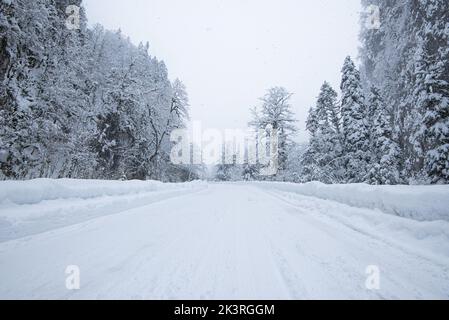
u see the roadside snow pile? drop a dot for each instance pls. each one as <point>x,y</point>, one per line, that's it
<point>423,203</point>
<point>35,191</point>
<point>430,238</point>
<point>32,207</point>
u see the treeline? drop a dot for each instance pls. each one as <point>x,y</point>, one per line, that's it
<point>274,116</point>
<point>82,103</point>
<point>86,103</point>
<point>407,59</point>
<point>351,140</point>
<point>391,122</point>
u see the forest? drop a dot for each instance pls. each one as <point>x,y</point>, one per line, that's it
<point>82,103</point>
<point>89,104</point>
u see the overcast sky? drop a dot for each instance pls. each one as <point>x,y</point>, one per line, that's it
<point>228,52</point>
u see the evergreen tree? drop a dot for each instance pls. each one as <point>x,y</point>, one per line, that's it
<point>323,158</point>
<point>354,124</point>
<point>407,59</point>
<point>432,88</point>
<point>384,151</point>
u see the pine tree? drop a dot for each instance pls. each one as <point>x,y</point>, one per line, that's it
<point>407,59</point>
<point>323,158</point>
<point>387,63</point>
<point>354,124</point>
<point>384,151</point>
<point>308,160</point>
<point>432,89</point>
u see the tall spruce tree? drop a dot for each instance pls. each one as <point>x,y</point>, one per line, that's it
<point>323,159</point>
<point>354,124</point>
<point>383,168</point>
<point>432,88</point>
<point>407,58</point>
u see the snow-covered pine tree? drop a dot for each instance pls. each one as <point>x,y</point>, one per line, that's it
<point>432,88</point>
<point>354,124</point>
<point>309,166</point>
<point>295,170</point>
<point>387,63</point>
<point>383,168</point>
<point>323,159</point>
<point>407,59</point>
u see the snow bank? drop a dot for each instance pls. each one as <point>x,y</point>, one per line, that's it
<point>32,207</point>
<point>423,203</point>
<point>35,191</point>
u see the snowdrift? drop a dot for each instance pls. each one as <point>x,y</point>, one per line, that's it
<point>423,203</point>
<point>32,207</point>
<point>35,191</point>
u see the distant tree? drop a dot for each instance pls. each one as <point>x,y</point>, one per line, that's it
<point>276,113</point>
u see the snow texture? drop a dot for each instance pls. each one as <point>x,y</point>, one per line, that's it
<point>223,241</point>
<point>38,190</point>
<point>30,207</point>
<point>423,203</point>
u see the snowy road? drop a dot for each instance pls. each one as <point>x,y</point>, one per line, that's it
<point>232,241</point>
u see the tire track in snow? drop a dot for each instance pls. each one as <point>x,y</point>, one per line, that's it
<point>433,269</point>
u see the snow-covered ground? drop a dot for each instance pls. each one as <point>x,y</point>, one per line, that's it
<point>229,241</point>
<point>424,203</point>
<point>31,207</point>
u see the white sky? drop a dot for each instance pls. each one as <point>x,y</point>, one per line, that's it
<point>228,52</point>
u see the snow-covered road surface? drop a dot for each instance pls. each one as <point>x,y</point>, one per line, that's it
<point>232,241</point>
